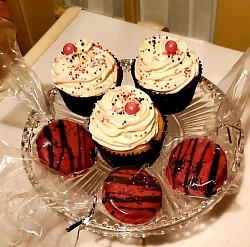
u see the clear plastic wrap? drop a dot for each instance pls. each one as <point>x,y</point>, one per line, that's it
<point>22,206</point>
<point>26,216</point>
<point>30,189</point>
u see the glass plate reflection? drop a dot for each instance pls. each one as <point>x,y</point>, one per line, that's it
<point>72,197</point>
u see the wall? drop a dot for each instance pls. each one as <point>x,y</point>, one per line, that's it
<point>193,18</point>
<point>113,8</point>
<point>32,19</point>
<point>232,27</point>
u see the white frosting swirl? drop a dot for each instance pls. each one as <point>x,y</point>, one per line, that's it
<point>159,71</point>
<point>112,127</point>
<point>88,71</point>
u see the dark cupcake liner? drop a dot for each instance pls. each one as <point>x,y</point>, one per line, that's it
<point>171,103</point>
<point>84,106</point>
<point>134,159</point>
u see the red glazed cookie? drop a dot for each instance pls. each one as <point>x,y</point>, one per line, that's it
<point>132,196</point>
<point>197,167</point>
<point>65,146</point>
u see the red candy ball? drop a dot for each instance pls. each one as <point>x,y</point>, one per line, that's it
<point>69,48</point>
<point>131,108</point>
<point>171,47</point>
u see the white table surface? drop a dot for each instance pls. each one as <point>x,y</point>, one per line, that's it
<point>228,224</point>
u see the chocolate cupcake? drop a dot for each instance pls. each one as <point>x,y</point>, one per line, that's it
<point>132,196</point>
<point>127,128</point>
<point>66,147</point>
<point>168,72</point>
<point>83,72</point>
<point>197,167</point>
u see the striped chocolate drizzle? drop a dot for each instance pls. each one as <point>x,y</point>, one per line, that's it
<point>199,165</point>
<point>79,161</point>
<point>186,180</point>
<point>65,145</point>
<point>153,210</point>
<point>177,166</point>
<point>81,146</point>
<point>141,179</point>
<point>138,180</point>
<point>134,198</point>
<point>48,136</point>
<point>213,171</point>
<point>178,162</point>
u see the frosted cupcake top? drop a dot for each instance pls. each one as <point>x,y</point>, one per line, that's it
<point>123,119</point>
<point>165,64</point>
<point>84,69</point>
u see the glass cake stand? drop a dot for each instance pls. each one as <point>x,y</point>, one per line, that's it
<point>73,197</point>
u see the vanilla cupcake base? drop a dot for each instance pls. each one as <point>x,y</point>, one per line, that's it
<point>140,155</point>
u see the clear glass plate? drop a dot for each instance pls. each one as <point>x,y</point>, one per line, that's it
<point>72,197</point>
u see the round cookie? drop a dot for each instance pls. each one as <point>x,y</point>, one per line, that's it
<point>66,147</point>
<point>132,196</point>
<point>197,167</point>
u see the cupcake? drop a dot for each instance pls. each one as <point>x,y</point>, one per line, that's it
<point>66,147</point>
<point>127,128</point>
<point>82,73</point>
<point>168,72</point>
<point>197,167</point>
<point>132,196</point>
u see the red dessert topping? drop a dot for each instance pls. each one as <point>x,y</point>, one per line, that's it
<point>131,108</point>
<point>69,48</point>
<point>66,147</point>
<point>197,167</point>
<point>132,196</point>
<point>171,47</point>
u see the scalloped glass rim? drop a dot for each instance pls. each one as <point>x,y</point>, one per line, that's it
<point>177,210</point>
